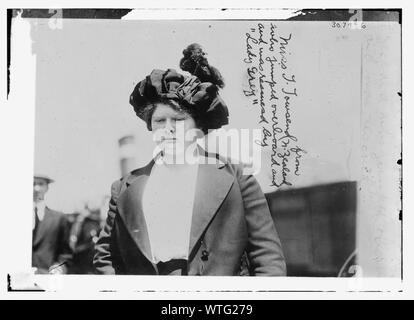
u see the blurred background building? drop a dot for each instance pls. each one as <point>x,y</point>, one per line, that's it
<point>127,151</point>
<point>317,227</point>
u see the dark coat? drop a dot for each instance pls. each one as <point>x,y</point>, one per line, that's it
<point>83,235</point>
<point>230,217</point>
<point>50,244</point>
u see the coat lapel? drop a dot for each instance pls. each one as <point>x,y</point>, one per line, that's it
<point>213,185</point>
<point>43,227</point>
<point>130,209</point>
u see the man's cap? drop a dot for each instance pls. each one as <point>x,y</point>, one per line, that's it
<point>44,177</point>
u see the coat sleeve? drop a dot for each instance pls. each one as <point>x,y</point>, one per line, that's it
<point>264,249</point>
<point>106,259</point>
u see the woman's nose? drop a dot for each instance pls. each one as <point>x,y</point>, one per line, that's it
<point>169,126</point>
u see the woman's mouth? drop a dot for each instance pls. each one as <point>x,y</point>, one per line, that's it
<point>169,139</point>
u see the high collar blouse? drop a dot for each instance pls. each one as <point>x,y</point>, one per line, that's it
<point>167,204</point>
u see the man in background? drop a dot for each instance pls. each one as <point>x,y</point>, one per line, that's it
<point>83,236</point>
<point>50,252</point>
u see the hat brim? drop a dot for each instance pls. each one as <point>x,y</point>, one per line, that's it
<point>44,177</point>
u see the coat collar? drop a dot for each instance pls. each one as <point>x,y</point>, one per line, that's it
<point>206,158</point>
<point>212,187</point>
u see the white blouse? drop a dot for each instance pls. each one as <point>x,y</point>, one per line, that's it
<point>167,203</point>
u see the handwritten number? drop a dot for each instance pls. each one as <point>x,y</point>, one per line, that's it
<point>352,24</point>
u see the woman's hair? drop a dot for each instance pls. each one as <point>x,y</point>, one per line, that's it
<point>194,61</point>
<point>150,108</point>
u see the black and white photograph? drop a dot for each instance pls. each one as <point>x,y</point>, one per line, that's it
<point>206,150</point>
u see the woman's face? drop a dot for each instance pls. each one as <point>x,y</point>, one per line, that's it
<point>172,129</point>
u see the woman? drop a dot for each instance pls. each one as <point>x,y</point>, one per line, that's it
<point>187,212</point>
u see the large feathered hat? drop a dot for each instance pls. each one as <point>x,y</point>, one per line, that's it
<point>198,93</point>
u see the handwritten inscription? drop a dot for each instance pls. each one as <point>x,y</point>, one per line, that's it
<point>271,86</point>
